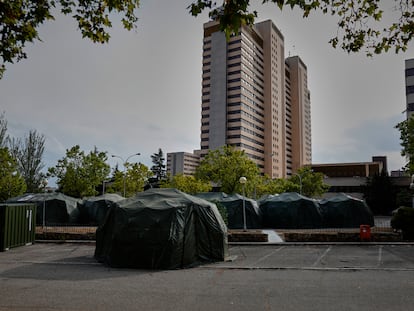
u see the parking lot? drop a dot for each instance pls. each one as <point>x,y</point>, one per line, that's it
<point>264,277</point>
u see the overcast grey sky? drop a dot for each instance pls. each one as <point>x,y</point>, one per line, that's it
<point>142,91</point>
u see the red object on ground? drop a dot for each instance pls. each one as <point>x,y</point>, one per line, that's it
<point>365,232</point>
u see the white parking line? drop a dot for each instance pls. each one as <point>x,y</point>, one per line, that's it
<point>267,256</point>
<point>379,262</point>
<point>322,256</point>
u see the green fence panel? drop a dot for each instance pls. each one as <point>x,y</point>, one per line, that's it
<point>17,225</point>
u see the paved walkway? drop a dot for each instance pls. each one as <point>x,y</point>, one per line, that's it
<point>322,257</point>
<point>51,277</point>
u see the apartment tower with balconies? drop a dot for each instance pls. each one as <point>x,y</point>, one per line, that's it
<point>409,86</point>
<point>255,99</point>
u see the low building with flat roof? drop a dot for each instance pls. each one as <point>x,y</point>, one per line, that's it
<point>351,178</point>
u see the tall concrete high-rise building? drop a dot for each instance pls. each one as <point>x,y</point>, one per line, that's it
<point>298,115</point>
<point>255,99</point>
<point>409,86</point>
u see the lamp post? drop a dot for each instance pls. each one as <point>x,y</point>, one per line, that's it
<point>103,186</point>
<point>412,187</point>
<point>124,164</point>
<point>300,182</point>
<point>44,185</point>
<point>243,181</point>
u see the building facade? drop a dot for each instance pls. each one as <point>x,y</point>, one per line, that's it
<point>298,115</point>
<point>255,99</point>
<point>409,86</point>
<point>184,163</point>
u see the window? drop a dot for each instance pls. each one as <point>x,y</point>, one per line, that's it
<point>233,88</point>
<point>409,72</point>
<point>233,57</point>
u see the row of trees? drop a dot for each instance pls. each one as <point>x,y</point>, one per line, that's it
<point>79,174</point>
<point>223,168</point>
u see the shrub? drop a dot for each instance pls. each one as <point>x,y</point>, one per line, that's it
<point>403,219</point>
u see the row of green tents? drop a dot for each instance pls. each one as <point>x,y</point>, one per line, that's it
<point>168,229</point>
<point>284,211</point>
<point>293,211</point>
<point>55,208</point>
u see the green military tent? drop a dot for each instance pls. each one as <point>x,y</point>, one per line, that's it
<point>93,209</point>
<point>290,210</point>
<point>161,229</point>
<point>344,211</point>
<point>234,207</point>
<point>60,208</point>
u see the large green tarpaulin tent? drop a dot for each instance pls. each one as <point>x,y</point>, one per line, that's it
<point>161,229</point>
<point>60,208</point>
<point>93,209</point>
<point>234,207</point>
<point>290,210</point>
<point>344,211</point>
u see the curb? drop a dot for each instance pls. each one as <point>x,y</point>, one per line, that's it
<point>92,242</point>
<point>317,243</point>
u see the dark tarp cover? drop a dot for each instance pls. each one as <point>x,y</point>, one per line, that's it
<point>161,229</point>
<point>60,208</point>
<point>344,211</point>
<point>234,207</point>
<point>93,209</point>
<point>290,210</point>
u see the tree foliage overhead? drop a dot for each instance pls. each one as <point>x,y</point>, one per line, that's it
<point>20,20</point>
<point>359,24</point>
<point>78,174</point>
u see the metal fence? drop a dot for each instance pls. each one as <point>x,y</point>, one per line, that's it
<point>382,224</point>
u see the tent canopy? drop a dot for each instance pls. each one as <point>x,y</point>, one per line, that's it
<point>60,208</point>
<point>344,211</point>
<point>234,207</point>
<point>161,229</point>
<point>93,209</point>
<point>290,210</point>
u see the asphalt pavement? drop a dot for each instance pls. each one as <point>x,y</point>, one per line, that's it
<point>256,277</point>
